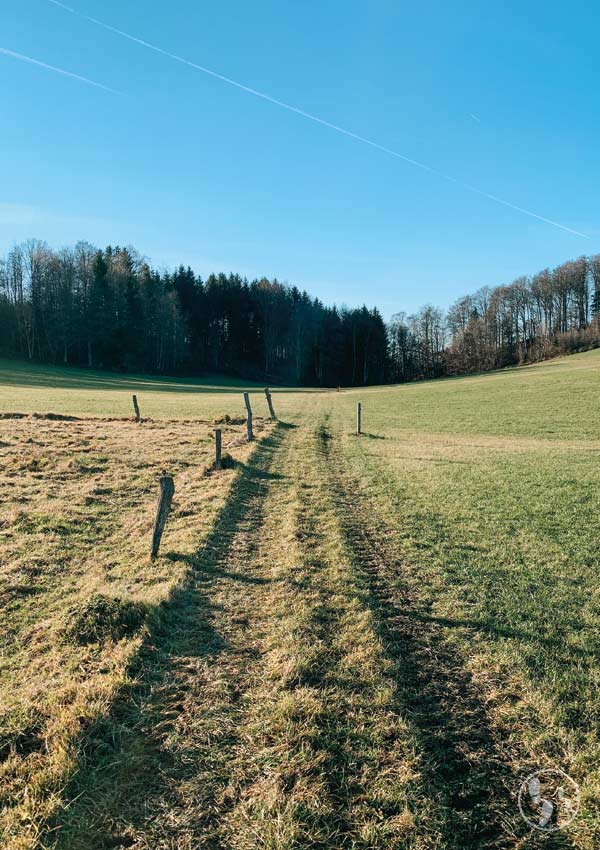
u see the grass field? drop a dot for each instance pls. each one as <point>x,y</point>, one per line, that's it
<point>347,642</point>
<point>39,389</point>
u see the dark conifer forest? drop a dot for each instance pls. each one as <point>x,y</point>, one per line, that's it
<point>109,309</point>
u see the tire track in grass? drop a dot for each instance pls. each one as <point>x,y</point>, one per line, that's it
<point>282,699</point>
<point>325,759</point>
<point>467,762</point>
<point>155,771</point>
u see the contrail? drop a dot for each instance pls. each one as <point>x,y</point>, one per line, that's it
<point>62,71</point>
<point>316,119</point>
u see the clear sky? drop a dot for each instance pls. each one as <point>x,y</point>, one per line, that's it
<point>189,168</point>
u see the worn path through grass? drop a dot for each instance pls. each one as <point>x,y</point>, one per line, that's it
<point>481,563</point>
<point>297,692</point>
<point>263,713</point>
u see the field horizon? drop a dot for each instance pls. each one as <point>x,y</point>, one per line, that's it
<point>21,379</point>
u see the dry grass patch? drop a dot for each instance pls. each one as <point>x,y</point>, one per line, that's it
<point>77,501</point>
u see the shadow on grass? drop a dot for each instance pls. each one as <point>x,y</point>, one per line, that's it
<point>466,768</point>
<point>124,765</point>
<point>15,373</point>
<point>210,573</point>
<point>558,645</point>
<point>266,476</point>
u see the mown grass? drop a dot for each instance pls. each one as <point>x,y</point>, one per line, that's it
<point>354,642</point>
<point>553,400</point>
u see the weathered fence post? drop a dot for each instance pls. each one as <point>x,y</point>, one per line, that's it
<point>270,403</point>
<point>136,408</point>
<point>249,417</point>
<point>358,418</point>
<point>218,444</point>
<point>165,496</point>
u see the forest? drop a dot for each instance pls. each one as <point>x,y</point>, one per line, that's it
<point>109,309</point>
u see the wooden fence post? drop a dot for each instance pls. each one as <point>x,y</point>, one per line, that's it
<point>270,403</point>
<point>358,418</point>
<point>218,444</point>
<point>249,417</point>
<point>165,496</point>
<point>136,408</point>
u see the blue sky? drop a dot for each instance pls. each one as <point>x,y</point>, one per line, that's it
<point>502,96</point>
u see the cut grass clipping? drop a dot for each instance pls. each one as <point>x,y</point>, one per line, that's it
<point>102,618</point>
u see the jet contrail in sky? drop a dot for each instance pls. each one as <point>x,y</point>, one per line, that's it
<point>316,119</point>
<point>61,71</point>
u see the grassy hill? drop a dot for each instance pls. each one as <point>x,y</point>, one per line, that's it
<point>361,642</point>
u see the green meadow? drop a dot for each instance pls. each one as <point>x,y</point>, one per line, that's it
<point>347,641</point>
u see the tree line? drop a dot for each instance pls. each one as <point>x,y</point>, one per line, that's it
<point>109,309</point>
<point>553,312</point>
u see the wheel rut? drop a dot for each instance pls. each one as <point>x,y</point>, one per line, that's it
<point>467,757</point>
<point>324,760</point>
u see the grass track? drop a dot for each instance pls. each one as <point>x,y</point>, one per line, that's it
<point>291,750</point>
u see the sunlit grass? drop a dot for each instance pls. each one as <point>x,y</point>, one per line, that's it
<point>31,388</point>
<point>363,642</point>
